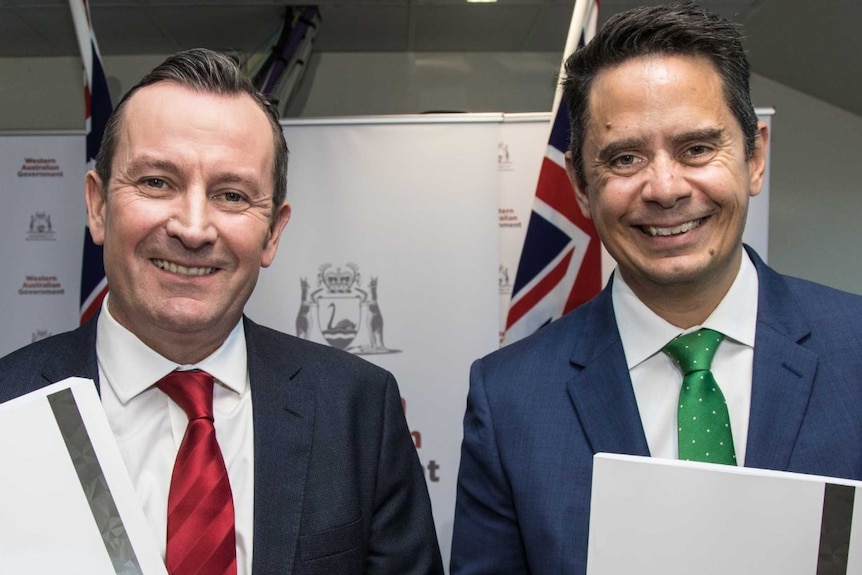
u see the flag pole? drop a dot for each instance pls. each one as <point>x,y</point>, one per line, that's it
<point>576,28</point>
<point>97,101</point>
<point>560,263</point>
<point>81,19</point>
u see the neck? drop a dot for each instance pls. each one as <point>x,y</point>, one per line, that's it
<point>184,349</point>
<point>178,345</point>
<point>685,310</point>
<point>687,304</point>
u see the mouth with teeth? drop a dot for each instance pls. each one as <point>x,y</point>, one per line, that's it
<point>655,231</point>
<point>182,270</point>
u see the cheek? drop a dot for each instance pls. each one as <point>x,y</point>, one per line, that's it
<point>245,242</point>
<point>127,211</point>
<point>129,235</point>
<point>612,202</point>
<point>720,183</point>
<point>247,232</point>
<point>123,230</point>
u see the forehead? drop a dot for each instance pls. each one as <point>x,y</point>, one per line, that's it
<point>202,135</point>
<point>168,112</point>
<point>653,92</point>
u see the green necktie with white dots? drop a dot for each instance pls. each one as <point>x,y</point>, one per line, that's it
<point>704,424</point>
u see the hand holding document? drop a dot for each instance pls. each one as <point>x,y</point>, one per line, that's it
<point>68,505</point>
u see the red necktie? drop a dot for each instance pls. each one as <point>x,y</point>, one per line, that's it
<point>201,538</point>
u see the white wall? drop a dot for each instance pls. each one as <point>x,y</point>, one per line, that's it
<point>46,93</point>
<point>350,84</point>
<point>41,94</point>
<point>814,202</point>
<point>816,190</point>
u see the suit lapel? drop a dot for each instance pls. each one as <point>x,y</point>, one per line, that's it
<point>76,357</point>
<point>783,374</point>
<point>601,390</point>
<point>283,408</point>
<point>782,379</point>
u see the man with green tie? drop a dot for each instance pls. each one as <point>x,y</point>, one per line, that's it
<point>695,349</point>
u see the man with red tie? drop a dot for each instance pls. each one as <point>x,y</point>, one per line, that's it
<point>251,451</point>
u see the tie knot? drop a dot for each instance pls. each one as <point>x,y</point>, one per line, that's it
<point>191,390</point>
<point>694,351</point>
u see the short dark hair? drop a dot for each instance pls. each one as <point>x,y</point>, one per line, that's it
<point>674,29</point>
<point>210,72</point>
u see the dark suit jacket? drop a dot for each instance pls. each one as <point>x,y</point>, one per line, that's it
<point>539,409</point>
<point>338,487</point>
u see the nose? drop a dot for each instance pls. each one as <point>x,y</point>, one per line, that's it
<point>191,223</point>
<point>665,183</point>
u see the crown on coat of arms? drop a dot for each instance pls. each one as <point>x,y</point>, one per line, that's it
<point>338,280</point>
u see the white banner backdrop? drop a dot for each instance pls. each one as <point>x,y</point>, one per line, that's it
<point>400,227</point>
<point>41,235</point>
<point>392,252</point>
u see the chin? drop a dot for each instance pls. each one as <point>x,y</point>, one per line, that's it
<point>680,271</point>
<point>185,319</point>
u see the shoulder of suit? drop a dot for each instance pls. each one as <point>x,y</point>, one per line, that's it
<point>278,346</point>
<point>555,339</point>
<point>823,303</point>
<point>74,341</point>
<point>21,370</point>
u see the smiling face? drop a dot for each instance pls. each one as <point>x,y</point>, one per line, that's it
<point>667,180</point>
<point>186,219</point>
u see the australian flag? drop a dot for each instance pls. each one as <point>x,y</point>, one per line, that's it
<point>97,100</point>
<point>560,265</point>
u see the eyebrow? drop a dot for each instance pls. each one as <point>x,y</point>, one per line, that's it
<point>613,148</point>
<point>145,163</point>
<point>233,178</point>
<point>705,135</point>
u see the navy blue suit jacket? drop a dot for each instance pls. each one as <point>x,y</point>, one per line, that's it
<point>338,487</point>
<point>539,409</point>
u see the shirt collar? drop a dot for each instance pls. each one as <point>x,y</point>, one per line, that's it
<point>735,316</point>
<point>131,367</point>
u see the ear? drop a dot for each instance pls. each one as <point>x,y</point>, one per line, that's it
<point>281,218</point>
<point>579,187</point>
<point>757,162</point>
<point>96,199</point>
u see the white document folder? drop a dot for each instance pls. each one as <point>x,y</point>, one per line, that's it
<point>67,504</point>
<point>657,516</point>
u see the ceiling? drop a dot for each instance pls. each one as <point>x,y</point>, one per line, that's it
<point>810,46</point>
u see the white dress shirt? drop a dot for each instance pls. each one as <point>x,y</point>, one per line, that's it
<point>149,427</point>
<point>657,379</point>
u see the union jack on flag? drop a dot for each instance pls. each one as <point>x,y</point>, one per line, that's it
<point>97,100</point>
<point>560,264</point>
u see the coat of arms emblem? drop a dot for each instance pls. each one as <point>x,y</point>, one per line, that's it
<point>41,227</point>
<point>340,312</point>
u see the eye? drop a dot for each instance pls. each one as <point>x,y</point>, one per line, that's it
<point>155,183</point>
<point>232,197</point>
<point>698,153</point>
<point>625,163</point>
